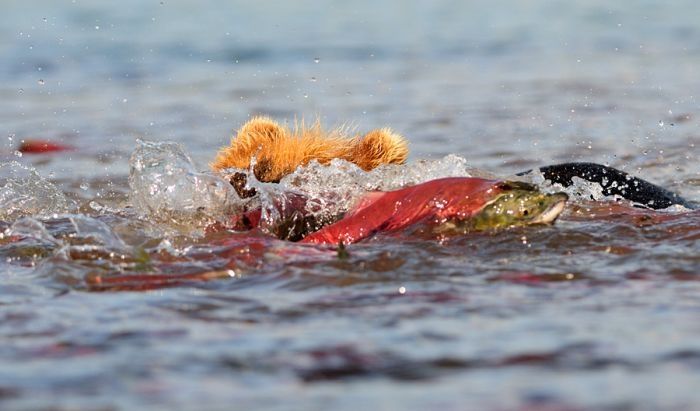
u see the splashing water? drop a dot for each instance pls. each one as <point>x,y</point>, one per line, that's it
<point>326,191</point>
<point>334,188</point>
<point>23,192</point>
<point>166,186</point>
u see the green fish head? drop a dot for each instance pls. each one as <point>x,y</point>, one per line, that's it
<point>519,204</point>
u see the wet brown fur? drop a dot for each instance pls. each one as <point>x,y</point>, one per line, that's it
<point>279,150</point>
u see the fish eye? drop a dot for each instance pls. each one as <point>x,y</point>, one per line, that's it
<point>525,212</point>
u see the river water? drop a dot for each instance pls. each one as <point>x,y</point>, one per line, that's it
<point>598,311</point>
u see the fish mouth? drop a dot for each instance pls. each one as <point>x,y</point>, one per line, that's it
<point>549,215</point>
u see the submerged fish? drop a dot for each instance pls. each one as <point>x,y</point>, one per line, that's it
<point>457,204</point>
<point>36,146</point>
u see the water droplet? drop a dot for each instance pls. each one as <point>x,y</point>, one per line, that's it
<point>306,95</point>
<point>18,153</point>
<point>661,123</point>
<point>312,79</point>
<point>20,91</point>
<point>402,290</point>
<point>97,27</point>
<point>95,205</point>
<point>45,19</point>
<point>41,82</point>
<point>84,186</point>
<point>317,60</point>
<point>124,100</point>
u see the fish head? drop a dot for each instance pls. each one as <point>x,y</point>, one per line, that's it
<point>519,204</point>
<point>516,204</point>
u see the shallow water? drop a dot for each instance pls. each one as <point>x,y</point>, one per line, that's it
<point>106,303</point>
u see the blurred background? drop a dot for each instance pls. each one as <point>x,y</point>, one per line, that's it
<point>506,84</point>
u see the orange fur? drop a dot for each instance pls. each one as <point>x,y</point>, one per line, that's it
<point>279,151</point>
<point>381,146</point>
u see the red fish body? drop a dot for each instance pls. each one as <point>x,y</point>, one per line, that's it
<point>455,197</point>
<point>42,146</point>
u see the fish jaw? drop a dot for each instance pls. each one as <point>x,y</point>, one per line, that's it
<point>554,210</point>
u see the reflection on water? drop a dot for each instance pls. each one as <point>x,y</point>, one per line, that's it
<point>116,300</point>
